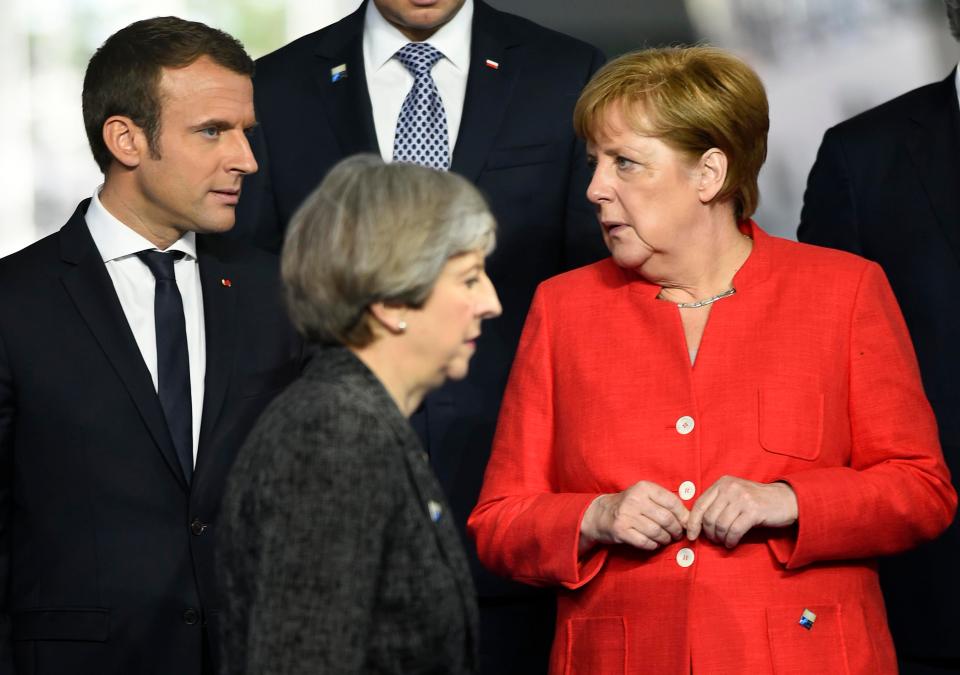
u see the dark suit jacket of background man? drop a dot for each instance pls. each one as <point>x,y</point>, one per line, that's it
<point>886,185</point>
<point>106,555</point>
<point>515,143</point>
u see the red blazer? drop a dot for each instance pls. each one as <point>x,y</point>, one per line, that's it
<point>806,375</point>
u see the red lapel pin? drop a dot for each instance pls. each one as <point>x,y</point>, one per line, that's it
<point>492,64</point>
<point>226,283</point>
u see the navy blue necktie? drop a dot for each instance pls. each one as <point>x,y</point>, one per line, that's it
<point>173,359</point>
<point>421,136</point>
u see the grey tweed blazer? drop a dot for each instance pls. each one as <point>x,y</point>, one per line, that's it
<point>337,551</point>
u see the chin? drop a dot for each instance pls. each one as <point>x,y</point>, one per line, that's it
<point>629,257</point>
<point>628,262</point>
<point>458,369</point>
<point>217,227</point>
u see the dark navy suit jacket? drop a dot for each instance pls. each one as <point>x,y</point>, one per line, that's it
<point>515,142</point>
<point>886,185</point>
<point>106,553</point>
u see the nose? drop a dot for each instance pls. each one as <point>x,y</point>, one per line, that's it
<point>243,161</point>
<point>598,191</point>
<point>488,305</point>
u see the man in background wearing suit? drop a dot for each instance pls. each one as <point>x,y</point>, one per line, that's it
<point>886,185</point>
<point>137,347</point>
<point>458,85</point>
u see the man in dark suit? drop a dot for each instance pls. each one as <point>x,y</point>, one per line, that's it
<point>886,185</point>
<point>137,347</point>
<point>499,100</point>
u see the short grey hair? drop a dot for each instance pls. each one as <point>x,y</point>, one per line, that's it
<point>375,232</point>
<point>953,14</point>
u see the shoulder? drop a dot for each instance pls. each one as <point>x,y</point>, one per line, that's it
<point>29,262</point>
<point>596,283</point>
<point>555,47</point>
<point>28,274</point>
<point>818,266</point>
<point>530,30</point>
<point>335,414</point>
<point>294,61</point>
<point>296,51</point>
<point>872,124</point>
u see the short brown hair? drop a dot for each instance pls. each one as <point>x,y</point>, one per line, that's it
<point>694,99</point>
<point>953,16</point>
<point>375,232</point>
<point>123,76</point>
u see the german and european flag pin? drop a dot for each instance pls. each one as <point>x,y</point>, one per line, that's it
<point>435,510</point>
<point>807,619</point>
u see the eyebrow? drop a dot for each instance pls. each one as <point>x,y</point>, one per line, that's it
<point>222,125</point>
<point>476,267</point>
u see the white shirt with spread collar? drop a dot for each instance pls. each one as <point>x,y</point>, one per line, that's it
<point>389,82</point>
<point>134,283</point>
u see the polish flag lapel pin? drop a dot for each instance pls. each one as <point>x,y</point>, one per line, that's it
<point>490,63</point>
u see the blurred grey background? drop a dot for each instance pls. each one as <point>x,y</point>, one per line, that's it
<point>821,61</point>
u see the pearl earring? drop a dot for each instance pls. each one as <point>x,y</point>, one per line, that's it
<point>401,325</point>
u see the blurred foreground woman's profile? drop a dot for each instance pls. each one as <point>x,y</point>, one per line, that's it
<point>337,548</point>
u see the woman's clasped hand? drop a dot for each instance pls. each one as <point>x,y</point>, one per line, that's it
<point>648,516</point>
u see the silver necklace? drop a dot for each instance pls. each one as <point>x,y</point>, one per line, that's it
<point>713,298</point>
<point>702,303</point>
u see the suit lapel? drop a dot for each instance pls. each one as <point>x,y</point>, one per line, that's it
<point>488,90</point>
<point>340,363</point>
<point>436,508</point>
<point>220,291</point>
<point>933,140</point>
<point>346,101</point>
<point>91,289</point>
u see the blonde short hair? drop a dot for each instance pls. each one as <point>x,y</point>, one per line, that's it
<point>694,99</point>
<point>375,232</point>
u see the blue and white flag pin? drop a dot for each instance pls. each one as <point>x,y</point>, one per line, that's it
<point>337,73</point>
<point>807,619</point>
<point>435,510</point>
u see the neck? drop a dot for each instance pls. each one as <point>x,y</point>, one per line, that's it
<point>707,269</point>
<point>418,35</point>
<point>125,207</point>
<point>388,367</point>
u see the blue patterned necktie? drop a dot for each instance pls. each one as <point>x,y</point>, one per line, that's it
<point>421,136</point>
<point>173,359</point>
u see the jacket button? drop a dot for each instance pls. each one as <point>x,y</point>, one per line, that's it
<point>191,616</point>
<point>686,490</point>
<point>197,527</point>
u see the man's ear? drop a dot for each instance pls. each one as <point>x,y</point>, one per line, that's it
<point>390,316</point>
<point>712,168</point>
<point>125,140</point>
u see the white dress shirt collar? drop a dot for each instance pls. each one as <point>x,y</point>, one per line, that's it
<point>382,39</point>
<point>135,288</point>
<point>115,240</point>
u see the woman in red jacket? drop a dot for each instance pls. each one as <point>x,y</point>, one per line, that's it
<point>709,437</point>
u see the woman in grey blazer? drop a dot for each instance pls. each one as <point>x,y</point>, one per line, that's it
<point>337,551</point>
